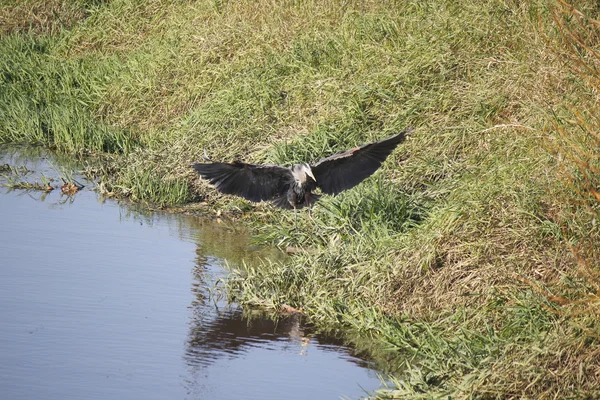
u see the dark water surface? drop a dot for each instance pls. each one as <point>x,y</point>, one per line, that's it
<point>98,301</point>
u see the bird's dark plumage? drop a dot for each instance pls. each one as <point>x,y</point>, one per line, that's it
<point>345,170</point>
<point>253,182</point>
<point>292,187</point>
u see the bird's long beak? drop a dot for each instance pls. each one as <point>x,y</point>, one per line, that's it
<point>309,173</point>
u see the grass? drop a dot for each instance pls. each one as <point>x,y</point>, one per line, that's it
<point>46,100</point>
<point>17,183</point>
<point>45,177</point>
<point>471,254</point>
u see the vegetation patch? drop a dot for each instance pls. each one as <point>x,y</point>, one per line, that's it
<point>472,254</point>
<point>47,17</point>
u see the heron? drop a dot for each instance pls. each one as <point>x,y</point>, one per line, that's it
<point>292,187</point>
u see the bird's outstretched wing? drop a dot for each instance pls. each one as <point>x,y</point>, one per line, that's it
<point>252,182</point>
<point>345,170</point>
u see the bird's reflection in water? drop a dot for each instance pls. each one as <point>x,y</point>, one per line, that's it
<point>230,333</point>
<point>219,330</point>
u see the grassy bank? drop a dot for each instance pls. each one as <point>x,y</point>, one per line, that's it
<point>472,252</point>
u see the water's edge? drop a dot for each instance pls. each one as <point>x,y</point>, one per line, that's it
<point>100,299</point>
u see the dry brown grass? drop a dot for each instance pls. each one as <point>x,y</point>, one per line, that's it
<point>39,17</point>
<point>575,144</point>
<point>495,242</point>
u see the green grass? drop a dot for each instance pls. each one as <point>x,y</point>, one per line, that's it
<point>148,186</point>
<point>466,255</point>
<point>46,100</point>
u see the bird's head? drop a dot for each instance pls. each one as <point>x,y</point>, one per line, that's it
<point>301,171</point>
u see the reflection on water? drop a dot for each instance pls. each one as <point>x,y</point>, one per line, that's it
<point>102,301</point>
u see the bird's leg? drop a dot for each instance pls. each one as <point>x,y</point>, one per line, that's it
<point>307,201</point>
<point>295,219</point>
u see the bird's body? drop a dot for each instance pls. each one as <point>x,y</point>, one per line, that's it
<point>300,192</point>
<point>293,187</point>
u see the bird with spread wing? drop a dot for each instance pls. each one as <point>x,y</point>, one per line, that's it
<point>292,187</point>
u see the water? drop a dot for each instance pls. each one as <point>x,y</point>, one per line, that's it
<point>99,301</point>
